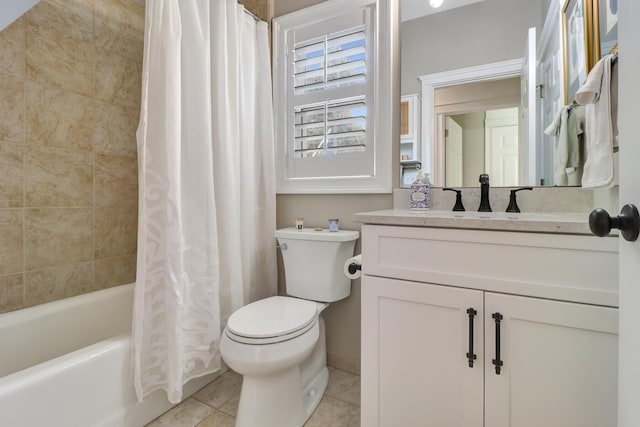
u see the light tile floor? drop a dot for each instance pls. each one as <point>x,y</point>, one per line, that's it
<point>216,404</point>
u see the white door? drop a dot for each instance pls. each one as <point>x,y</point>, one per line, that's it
<point>453,154</point>
<point>527,140</point>
<point>501,147</point>
<point>629,176</point>
<point>502,144</point>
<point>551,99</point>
<point>559,363</point>
<point>415,340</point>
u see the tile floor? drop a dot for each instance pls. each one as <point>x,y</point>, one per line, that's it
<point>216,404</point>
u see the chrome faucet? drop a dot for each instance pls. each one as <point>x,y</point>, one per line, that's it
<point>484,194</point>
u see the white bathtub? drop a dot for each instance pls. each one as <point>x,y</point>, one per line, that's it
<point>66,364</point>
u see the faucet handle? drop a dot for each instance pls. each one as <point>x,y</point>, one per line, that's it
<point>513,204</point>
<point>458,206</point>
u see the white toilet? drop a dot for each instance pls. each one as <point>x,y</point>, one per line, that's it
<point>278,343</point>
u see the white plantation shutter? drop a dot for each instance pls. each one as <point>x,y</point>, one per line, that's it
<point>330,125</point>
<point>324,97</point>
<point>329,83</point>
<point>335,60</point>
<point>330,128</point>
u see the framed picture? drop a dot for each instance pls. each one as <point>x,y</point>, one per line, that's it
<point>576,29</point>
<point>605,26</point>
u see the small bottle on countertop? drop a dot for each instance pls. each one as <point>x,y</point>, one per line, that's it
<point>420,192</point>
<point>299,224</point>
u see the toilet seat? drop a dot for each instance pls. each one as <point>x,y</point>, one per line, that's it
<point>272,320</point>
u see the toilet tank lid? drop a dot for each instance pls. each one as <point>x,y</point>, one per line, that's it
<point>321,235</point>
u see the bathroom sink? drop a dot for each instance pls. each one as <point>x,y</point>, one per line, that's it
<point>507,215</point>
<point>534,216</point>
<point>546,222</point>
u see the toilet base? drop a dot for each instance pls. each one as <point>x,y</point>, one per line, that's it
<point>277,400</point>
<point>313,394</point>
<point>273,400</point>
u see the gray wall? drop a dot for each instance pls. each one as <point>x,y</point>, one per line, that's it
<point>481,33</point>
<point>463,32</point>
<point>12,10</point>
<point>282,7</point>
<point>342,318</point>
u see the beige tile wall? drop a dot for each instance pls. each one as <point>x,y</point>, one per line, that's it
<point>262,8</point>
<point>69,106</point>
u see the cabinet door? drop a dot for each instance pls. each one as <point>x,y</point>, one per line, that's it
<point>415,340</point>
<point>405,114</point>
<point>560,363</point>
<point>409,114</point>
<point>409,127</point>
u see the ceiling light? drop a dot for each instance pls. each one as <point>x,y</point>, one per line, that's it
<point>435,3</point>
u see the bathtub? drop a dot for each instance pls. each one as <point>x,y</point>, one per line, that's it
<point>66,364</point>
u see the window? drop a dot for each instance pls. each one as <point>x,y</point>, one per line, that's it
<point>330,128</point>
<point>330,134</point>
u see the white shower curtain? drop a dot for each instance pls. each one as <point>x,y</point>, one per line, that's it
<point>206,186</point>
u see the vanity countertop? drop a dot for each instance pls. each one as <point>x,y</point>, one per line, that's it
<point>562,223</point>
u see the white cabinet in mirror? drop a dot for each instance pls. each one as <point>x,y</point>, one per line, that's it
<point>410,136</point>
<point>410,118</point>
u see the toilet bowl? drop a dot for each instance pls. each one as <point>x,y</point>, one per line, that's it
<point>284,368</point>
<point>278,344</point>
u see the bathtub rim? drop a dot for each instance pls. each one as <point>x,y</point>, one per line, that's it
<point>14,317</point>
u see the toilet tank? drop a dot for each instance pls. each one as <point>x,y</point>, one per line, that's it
<point>314,262</point>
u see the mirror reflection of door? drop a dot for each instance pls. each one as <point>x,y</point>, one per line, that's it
<point>467,104</point>
<point>453,153</point>
<point>528,102</point>
<point>481,142</point>
<point>501,147</point>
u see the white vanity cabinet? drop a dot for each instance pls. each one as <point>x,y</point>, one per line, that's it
<point>414,366</point>
<point>555,297</point>
<point>560,363</point>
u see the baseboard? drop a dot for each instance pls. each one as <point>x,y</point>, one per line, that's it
<point>344,363</point>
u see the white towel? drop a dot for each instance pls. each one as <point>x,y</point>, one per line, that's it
<point>568,128</point>
<point>596,95</point>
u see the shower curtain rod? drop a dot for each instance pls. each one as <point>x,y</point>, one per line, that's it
<point>253,15</point>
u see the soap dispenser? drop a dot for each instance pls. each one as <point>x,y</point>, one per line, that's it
<point>420,190</point>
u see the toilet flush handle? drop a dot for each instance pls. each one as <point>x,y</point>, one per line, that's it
<point>282,246</point>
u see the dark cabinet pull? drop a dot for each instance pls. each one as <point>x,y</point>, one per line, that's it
<point>470,356</point>
<point>497,362</point>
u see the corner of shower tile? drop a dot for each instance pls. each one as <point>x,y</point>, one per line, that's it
<point>63,281</point>
<point>11,292</point>
<point>116,271</point>
<point>12,50</point>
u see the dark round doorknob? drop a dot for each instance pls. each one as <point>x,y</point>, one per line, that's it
<point>628,222</point>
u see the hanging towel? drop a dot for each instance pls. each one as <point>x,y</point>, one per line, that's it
<point>614,100</point>
<point>569,129</point>
<point>596,95</point>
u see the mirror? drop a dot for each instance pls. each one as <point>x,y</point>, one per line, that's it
<point>477,132</point>
<point>481,142</point>
<point>484,64</point>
